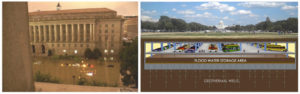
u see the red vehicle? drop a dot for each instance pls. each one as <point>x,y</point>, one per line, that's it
<point>182,48</point>
<point>212,48</point>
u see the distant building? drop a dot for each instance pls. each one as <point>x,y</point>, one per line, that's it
<point>130,27</point>
<point>70,32</point>
<point>221,25</point>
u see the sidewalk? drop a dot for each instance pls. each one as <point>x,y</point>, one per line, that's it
<point>51,87</point>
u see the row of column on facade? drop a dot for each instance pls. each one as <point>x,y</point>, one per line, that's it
<point>62,33</point>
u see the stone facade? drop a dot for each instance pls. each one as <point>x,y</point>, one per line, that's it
<point>17,60</point>
<point>131,27</point>
<point>70,32</point>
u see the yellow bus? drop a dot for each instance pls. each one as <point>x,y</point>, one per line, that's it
<point>272,47</point>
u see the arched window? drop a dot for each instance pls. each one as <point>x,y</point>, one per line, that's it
<point>33,49</point>
<point>43,49</point>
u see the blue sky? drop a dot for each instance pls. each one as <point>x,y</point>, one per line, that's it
<point>211,13</point>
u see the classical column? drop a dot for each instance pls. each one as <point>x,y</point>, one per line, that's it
<point>72,32</point>
<point>34,33</point>
<point>30,33</point>
<point>40,34</point>
<point>84,32</point>
<point>50,33</point>
<point>55,33</point>
<point>45,33</point>
<point>17,68</point>
<point>67,33</point>
<point>61,32</point>
<point>91,34</point>
<point>78,32</point>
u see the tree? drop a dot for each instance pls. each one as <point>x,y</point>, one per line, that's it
<point>290,24</point>
<point>179,24</point>
<point>268,24</point>
<point>149,25</point>
<point>88,53</point>
<point>50,53</point>
<point>165,23</point>
<point>129,63</point>
<point>277,27</point>
<point>96,53</point>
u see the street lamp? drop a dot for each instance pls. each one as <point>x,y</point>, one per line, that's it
<point>75,51</point>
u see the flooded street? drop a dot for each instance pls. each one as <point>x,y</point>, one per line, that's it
<point>71,71</point>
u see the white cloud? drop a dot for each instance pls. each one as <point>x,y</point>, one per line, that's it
<point>203,15</point>
<point>261,4</point>
<point>186,12</point>
<point>244,12</point>
<point>173,9</point>
<point>146,12</point>
<point>148,18</point>
<point>225,18</point>
<point>215,5</point>
<point>240,12</point>
<point>288,7</point>
<point>283,6</point>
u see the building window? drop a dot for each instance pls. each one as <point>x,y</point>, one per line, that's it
<point>112,31</point>
<point>64,45</point>
<point>87,45</point>
<point>100,26</point>
<point>112,40</point>
<point>105,44</point>
<point>81,45</point>
<point>52,45</point>
<point>75,45</point>
<point>106,38</point>
<point>106,31</point>
<point>58,45</point>
<point>33,49</point>
<point>112,25</point>
<point>43,49</point>
<point>106,25</point>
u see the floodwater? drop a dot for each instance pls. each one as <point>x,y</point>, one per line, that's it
<point>70,71</point>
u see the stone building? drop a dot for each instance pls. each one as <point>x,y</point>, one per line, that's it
<point>130,27</point>
<point>70,32</point>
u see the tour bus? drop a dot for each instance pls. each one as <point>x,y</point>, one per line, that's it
<point>190,50</point>
<point>164,48</point>
<point>272,47</point>
<point>231,48</point>
<point>213,48</point>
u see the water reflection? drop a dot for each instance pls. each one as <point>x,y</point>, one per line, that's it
<point>70,71</point>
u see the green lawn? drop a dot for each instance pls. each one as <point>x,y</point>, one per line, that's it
<point>215,35</point>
